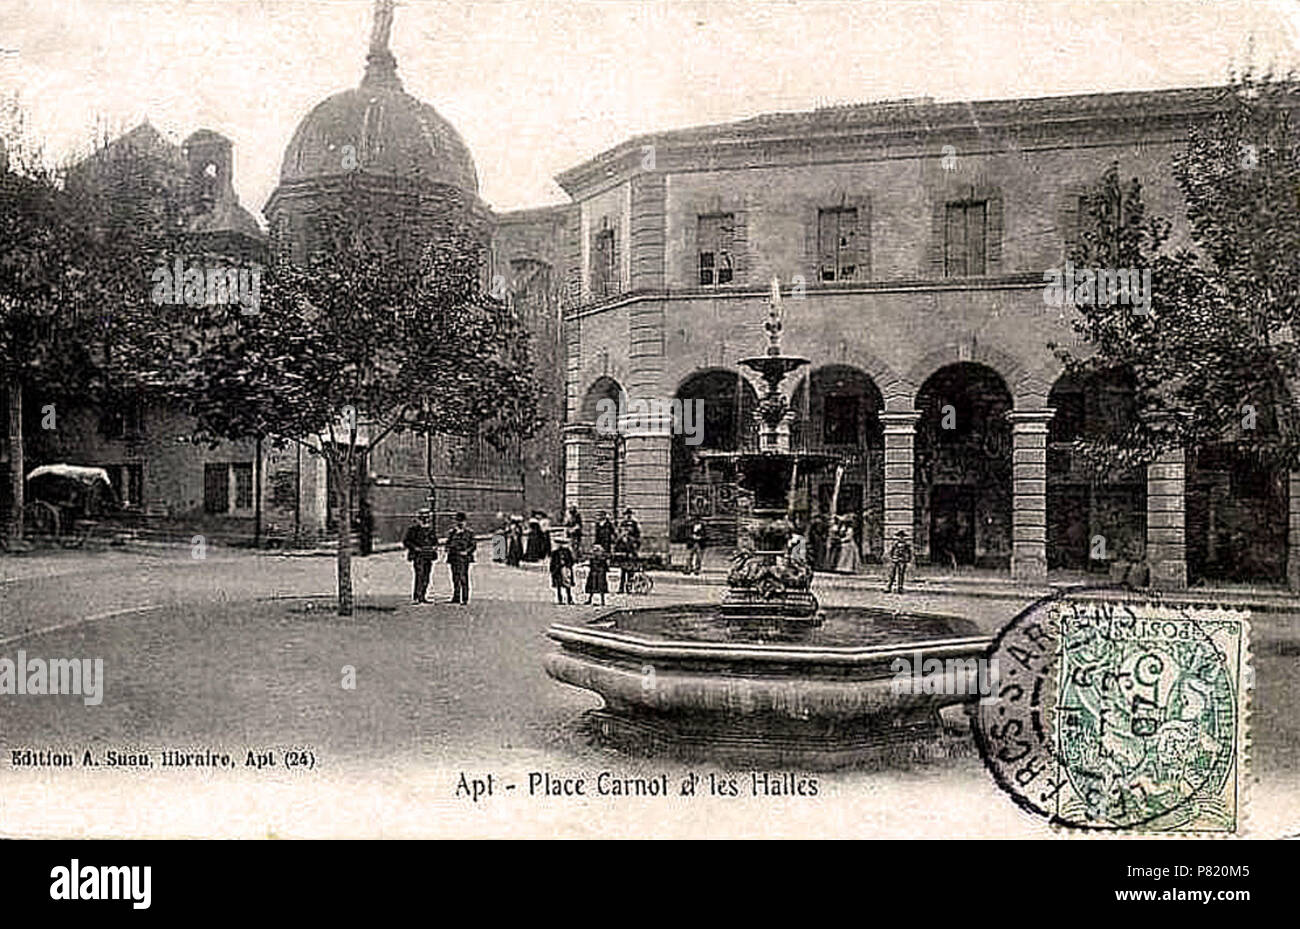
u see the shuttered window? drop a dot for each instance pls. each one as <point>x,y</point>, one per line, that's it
<point>965,241</point>
<point>716,238</point>
<point>837,244</point>
<point>604,270</point>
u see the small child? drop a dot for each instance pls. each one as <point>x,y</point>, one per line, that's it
<point>598,573</point>
<point>561,561</point>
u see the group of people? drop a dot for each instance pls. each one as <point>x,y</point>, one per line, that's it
<point>834,547</point>
<point>609,541</point>
<point>563,550</point>
<point>421,543</point>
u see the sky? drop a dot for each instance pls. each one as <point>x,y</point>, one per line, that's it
<point>538,86</point>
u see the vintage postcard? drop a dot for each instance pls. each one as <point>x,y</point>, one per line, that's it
<point>648,419</point>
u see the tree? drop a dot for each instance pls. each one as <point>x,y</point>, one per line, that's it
<point>358,343</point>
<point>47,286</point>
<point>76,250</point>
<point>1214,358</point>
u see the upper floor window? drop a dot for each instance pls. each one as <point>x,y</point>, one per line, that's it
<point>837,244</point>
<point>604,268</point>
<point>123,419</point>
<point>716,243</point>
<point>965,238</point>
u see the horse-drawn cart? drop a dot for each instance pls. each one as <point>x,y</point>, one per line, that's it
<point>66,504</point>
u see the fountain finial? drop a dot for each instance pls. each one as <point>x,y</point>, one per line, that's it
<point>773,324</point>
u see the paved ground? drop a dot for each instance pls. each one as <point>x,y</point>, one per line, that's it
<point>226,654</point>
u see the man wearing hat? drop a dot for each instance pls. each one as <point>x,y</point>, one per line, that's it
<point>900,556</point>
<point>421,544</point>
<point>460,552</point>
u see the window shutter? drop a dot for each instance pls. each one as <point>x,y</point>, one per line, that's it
<point>993,235</point>
<point>827,231</point>
<point>216,488</point>
<point>954,239</point>
<point>977,228</point>
<point>938,262</point>
<point>864,240</point>
<point>740,247</point>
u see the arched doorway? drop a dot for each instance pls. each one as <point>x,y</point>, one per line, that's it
<point>1238,505</point>
<point>840,416</point>
<point>601,407</point>
<point>963,468</point>
<point>704,487</point>
<point>1093,518</point>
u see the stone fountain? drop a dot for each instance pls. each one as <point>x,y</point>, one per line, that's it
<point>769,676</point>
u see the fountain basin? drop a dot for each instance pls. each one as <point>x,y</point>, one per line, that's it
<point>691,681</point>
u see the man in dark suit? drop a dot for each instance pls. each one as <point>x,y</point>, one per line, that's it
<point>460,552</point>
<point>421,544</point>
<point>628,543</point>
<point>605,532</point>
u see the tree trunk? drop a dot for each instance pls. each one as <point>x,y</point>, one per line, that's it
<point>16,465</point>
<point>345,538</point>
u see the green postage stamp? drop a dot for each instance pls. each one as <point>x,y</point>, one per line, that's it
<point>1123,716</point>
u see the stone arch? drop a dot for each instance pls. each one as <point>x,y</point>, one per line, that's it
<point>703,485</point>
<point>1092,519</point>
<point>601,389</point>
<point>963,467</point>
<point>1028,387</point>
<point>849,429</point>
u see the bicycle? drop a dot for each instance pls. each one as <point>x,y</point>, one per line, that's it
<point>639,582</point>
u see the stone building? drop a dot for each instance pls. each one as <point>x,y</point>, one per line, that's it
<point>910,241</point>
<point>400,169</point>
<point>391,163</point>
<point>177,487</point>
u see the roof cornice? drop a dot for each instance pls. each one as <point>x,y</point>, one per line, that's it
<point>872,129</point>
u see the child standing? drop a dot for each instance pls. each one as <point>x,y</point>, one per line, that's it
<point>598,573</point>
<point>561,561</point>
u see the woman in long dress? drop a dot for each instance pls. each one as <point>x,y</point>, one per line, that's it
<point>849,561</point>
<point>515,541</point>
<point>538,546</point>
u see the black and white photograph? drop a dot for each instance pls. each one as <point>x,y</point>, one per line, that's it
<point>650,419</point>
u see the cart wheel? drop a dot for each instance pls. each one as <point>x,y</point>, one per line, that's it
<point>77,534</point>
<point>640,584</point>
<point>41,519</point>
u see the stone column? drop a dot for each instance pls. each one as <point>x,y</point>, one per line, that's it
<point>1166,530</point>
<point>1293,531</point>
<point>1029,494</point>
<point>583,484</point>
<point>646,476</point>
<point>900,500</point>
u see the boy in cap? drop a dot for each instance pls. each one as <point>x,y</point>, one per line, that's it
<point>561,564</point>
<point>900,556</point>
<point>421,543</point>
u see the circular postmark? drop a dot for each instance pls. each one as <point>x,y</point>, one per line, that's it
<point>1117,715</point>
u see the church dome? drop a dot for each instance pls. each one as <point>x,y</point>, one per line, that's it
<point>390,133</point>
<point>379,129</point>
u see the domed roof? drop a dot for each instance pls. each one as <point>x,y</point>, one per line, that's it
<point>390,133</point>
<point>379,129</point>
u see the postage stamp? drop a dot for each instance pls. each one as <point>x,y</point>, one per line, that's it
<point>1123,716</point>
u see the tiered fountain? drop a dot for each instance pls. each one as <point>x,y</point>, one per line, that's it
<point>769,676</point>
